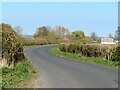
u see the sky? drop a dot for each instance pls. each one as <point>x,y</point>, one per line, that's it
<point>99,17</point>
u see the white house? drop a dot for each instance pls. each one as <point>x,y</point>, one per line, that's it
<point>108,40</point>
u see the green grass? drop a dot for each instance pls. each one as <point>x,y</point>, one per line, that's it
<point>32,46</point>
<point>0,78</point>
<point>94,60</point>
<point>14,77</point>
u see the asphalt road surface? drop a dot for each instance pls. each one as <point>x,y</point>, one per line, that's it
<point>60,72</point>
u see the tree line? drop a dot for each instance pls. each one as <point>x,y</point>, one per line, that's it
<point>60,32</point>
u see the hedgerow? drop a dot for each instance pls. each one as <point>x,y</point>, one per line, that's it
<point>12,50</point>
<point>109,52</point>
<point>36,41</point>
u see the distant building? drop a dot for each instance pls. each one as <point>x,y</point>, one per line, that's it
<point>86,37</point>
<point>108,40</point>
<point>66,39</point>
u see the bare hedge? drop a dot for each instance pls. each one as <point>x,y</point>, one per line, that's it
<point>109,52</point>
<point>37,41</point>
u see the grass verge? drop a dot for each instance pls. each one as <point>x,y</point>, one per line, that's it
<point>94,60</point>
<point>14,77</point>
<point>32,46</point>
<point>0,78</point>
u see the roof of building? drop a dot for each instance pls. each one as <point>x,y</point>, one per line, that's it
<point>66,38</point>
<point>87,37</point>
<point>107,39</point>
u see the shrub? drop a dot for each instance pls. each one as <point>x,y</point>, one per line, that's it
<point>116,54</point>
